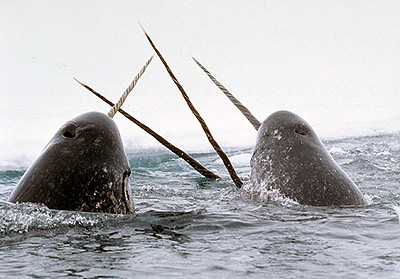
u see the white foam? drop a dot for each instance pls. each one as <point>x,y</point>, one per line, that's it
<point>241,159</point>
<point>19,163</point>
<point>263,194</point>
<point>336,150</point>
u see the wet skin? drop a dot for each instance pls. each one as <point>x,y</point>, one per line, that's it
<point>289,157</point>
<point>83,168</point>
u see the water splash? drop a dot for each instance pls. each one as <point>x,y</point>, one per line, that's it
<point>262,193</point>
<point>25,217</point>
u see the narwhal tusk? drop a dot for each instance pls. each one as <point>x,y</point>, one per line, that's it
<point>256,124</point>
<point>121,100</point>
<point>217,148</point>
<point>180,153</point>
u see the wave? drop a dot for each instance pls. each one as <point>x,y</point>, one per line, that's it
<point>24,217</point>
<point>151,156</point>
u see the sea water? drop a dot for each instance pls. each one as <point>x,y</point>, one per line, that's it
<point>187,226</point>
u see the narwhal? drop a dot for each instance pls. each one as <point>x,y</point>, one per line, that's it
<point>289,157</point>
<point>83,168</point>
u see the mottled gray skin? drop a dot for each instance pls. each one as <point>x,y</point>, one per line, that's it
<point>289,157</point>
<point>83,168</point>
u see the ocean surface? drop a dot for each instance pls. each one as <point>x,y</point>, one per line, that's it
<point>187,226</point>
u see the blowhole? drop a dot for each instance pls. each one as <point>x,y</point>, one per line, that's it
<point>68,134</point>
<point>69,131</point>
<point>300,132</point>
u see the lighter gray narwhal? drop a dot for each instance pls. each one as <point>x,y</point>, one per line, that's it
<point>289,157</point>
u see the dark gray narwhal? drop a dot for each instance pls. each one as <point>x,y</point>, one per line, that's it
<point>83,168</point>
<point>289,157</point>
